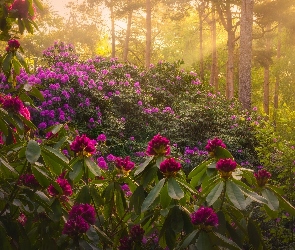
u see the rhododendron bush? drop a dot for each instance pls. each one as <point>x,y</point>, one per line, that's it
<point>71,175</point>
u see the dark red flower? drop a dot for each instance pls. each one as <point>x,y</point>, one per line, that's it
<point>86,211</point>
<point>205,217</point>
<point>75,226</point>
<point>213,144</point>
<point>226,165</point>
<point>170,167</point>
<point>158,146</point>
<point>136,233</point>
<point>83,145</point>
<point>29,180</point>
<point>64,184</point>
<point>124,164</point>
<point>262,177</point>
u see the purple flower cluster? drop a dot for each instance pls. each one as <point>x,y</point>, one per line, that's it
<point>14,104</point>
<point>136,234</point>
<point>124,164</point>
<point>13,45</point>
<point>29,180</point>
<point>65,186</point>
<point>205,217</point>
<point>83,145</point>
<point>126,190</point>
<point>102,163</point>
<point>213,144</point>
<point>262,177</point>
<point>80,216</point>
<point>170,167</point>
<point>101,138</point>
<point>226,167</point>
<point>158,146</point>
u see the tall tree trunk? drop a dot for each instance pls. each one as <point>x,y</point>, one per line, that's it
<point>230,56</point>
<point>276,94</point>
<point>127,38</point>
<point>245,53</point>
<point>214,65</point>
<point>266,77</point>
<point>113,30</point>
<point>148,47</point>
<point>201,56</point>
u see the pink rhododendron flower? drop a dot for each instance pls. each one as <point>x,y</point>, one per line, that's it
<point>29,180</point>
<point>124,164</point>
<point>83,145</point>
<point>159,145</point>
<point>262,177</point>
<point>205,217</point>
<point>213,144</point>
<point>170,167</point>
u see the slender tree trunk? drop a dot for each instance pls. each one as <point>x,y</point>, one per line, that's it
<point>230,56</point>
<point>201,56</point>
<point>276,95</point>
<point>266,78</point>
<point>245,53</point>
<point>127,38</point>
<point>214,65</point>
<point>113,31</point>
<point>148,48</point>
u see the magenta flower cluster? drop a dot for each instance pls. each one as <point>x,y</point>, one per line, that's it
<point>83,145</point>
<point>262,177</point>
<point>226,165</point>
<point>213,144</point>
<point>159,145</point>
<point>15,105</point>
<point>29,180</point>
<point>13,45</point>
<point>205,216</point>
<point>80,218</point>
<point>136,234</point>
<point>170,167</point>
<point>65,186</point>
<point>124,164</point>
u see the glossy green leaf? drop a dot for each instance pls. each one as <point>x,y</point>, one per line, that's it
<point>109,192</point>
<point>253,234</point>
<point>174,190</point>
<point>6,64</point>
<point>143,165</point>
<point>149,175</point>
<point>189,239</point>
<point>51,164</point>
<point>222,153</point>
<point>56,211</point>
<point>6,164</point>
<point>199,168</point>
<point>56,155</point>
<point>95,195</point>
<point>152,195</point>
<point>92,166</point>
<point>137,199</point>
<point>204,242</point>
<point>215,193</point>
<point>272,200</point>
<point>225,242</point>
<point>3,127</point>
<point>33,151</point>
<point>16,65</point>
<point>195,181</point>
<point>235,195</point>
<point>41,176</point>
<point>254,196</point>
<point>165,199</point>
<point>84,195</point>
<point>77,172</point>
<point>120,200</point>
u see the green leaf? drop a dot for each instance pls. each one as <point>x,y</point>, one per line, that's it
<point>77,172</point>
<point>36,92</point>
<point>253,234</point>
<point>95,196</point>
<point>33,151</point>
<point>120,200</point>
<point>3,127</point>
<point>143,165</point>
<point>284,203</point>
<point>41,176</point>
<point>222,153</point>
<point>4,240</point>
<point>189,239</point>
<point>38,4</point>
<point>204,242</point>
<point>254,196</point>
<point>177,221</point>
<point>170,237</point>
<point>109,192</point>
<point>159,159</point>
<point>22,61</point>
<point>174,190</point>
<point>16,65</point>
<point>225,241</point>
<point>42,196</point>
<point>92,166</point>
<point>51,164</point>
<point>84,195</point>
<point>215,193</point>
<point>152,195</point>
<point>235,195</point>
<point>272,200</point>
<point>103,235</point>
<point>28,25</point>
<point>7,62</point>
<point>28,123</point>
<point>57,211</point>
<point>56,155</point>
<point>165,199</point>
<point>21,26</point>
<point>6,164</point>
<point>137,199</point>
<point>195,181</point>
<point>187,186</point>
<point>199,168</point>
<point>149,175</point>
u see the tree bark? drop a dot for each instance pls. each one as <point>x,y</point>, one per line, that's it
<point>201,54</point>
<point>276,94</point>
<point>214,65</point>
<point>113,30</point>
<point>127,38</point>
<point>266,78</point>
<point>245,53</point>
<point>148,48</point>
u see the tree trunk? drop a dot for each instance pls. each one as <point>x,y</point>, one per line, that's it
<point>214,65</point>
<point>245,53</point>
<point>148,33</point>
<point>266,77</point>
<point>230,56</point>
<point>201,56</point>
<point>276,94</point>
<point>113,31</point>
<point>127,38</point>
